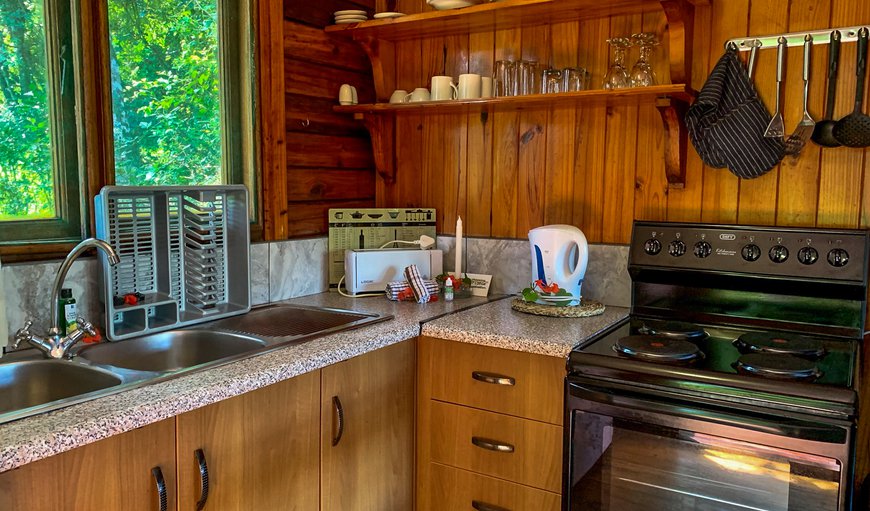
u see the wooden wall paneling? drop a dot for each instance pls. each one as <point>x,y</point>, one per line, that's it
<point>272,156</point>
<point>841,168</point>
<point>315,150</point>
<point>684,204</point>
<point>306,184</point>
<point>650,181</point>
<point>319,14</point>
<point>757,200</point>
<point>561,125</point>
<point>721,188</point>
<point>590,133</point>
<point>532,145</point>
<point>312,44</point>
<point>798,194</point>
<point>323,80</point>
<point>455,172</point>
<point>436,144</point>
<point>315,115</point>
<point>505,136</point>
<point>310,217</point>
<point>620,151</point>
<point>478,214</point>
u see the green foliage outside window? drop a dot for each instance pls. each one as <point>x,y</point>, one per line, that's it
<point>165,91</point>
<point>26,175</point>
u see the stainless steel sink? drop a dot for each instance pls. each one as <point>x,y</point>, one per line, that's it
<point>35,382</point>
<point>170,351</point>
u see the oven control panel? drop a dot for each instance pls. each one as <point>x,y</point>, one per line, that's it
<point>802,253</point>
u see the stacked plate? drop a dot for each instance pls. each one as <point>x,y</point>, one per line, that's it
<point>350,17</point>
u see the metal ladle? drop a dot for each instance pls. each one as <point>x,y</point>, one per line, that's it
<point>823,132</point>
<point>854,129</point>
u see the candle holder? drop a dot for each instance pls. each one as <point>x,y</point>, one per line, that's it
<point>461,287</point>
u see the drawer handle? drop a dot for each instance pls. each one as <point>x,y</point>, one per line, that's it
<point>162,498</point>
<point>339,415</point>
<point>203,479</point>
<point>495,379</point>
<point>491,445</point>
<point>483,506</point>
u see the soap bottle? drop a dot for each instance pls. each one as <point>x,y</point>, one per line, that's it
<point>448,290</point>
<point>68,312</point>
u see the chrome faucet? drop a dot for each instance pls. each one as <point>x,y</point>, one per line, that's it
<point>54,345</point>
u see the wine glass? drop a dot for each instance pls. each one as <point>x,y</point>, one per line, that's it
<point>642,74</point>
<point>617,77</point>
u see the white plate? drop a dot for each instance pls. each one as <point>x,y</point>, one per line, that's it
<point>383,15</point>
<point>351,20</point>
<point>345,13</point>
<point>344,22</point>
<point>443,5</point>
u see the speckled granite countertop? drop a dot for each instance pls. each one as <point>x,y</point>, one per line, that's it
<point>477,320</point>
<point>496,324</point>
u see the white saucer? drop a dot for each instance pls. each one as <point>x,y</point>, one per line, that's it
<point>383,15</point>
<point>349,13</point>
<point>344,22</point>
<point>352,19</point>
<point>443,5</point>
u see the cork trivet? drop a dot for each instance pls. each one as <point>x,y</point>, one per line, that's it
<point>585,309</point>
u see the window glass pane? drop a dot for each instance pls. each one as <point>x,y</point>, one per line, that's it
<point>26,175</point>
<point>165,91</point>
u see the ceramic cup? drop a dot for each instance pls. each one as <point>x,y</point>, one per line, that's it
<point>485,87</point>
<point>469,86</point>
<point>443,88</point>
<point>345,94</point>
<point>419,94</point>
<point>399,96</point>
<point>354,95</point>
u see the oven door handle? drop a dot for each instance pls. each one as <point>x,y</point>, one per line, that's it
<point>629,407</point>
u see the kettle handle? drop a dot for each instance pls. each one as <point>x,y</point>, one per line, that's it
<point>582,256</point>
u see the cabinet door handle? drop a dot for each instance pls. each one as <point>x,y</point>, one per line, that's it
<point>339,415</point>
<point>203,479</point>
<point>495,379</point>
<point>483,506</point>
<point>491,445</point>
<point>162,499</point>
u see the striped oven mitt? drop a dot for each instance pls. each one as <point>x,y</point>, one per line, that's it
<point>726,123</point>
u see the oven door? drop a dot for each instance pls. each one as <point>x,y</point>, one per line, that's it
<point>629,453</point>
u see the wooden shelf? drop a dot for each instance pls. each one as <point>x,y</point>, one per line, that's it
<point>679,92</point>
<point>493,16</point>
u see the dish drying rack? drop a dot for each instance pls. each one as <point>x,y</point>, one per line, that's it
<point>185,256</point>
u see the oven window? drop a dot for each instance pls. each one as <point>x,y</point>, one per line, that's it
<point>620,465</point>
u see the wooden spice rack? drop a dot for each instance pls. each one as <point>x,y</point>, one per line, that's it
<point>377,37</point>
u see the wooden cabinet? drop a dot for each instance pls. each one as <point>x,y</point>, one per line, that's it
<point>367,436</point>
<point>489,428</point>
<point>260,449</point>
<point>116,473</point>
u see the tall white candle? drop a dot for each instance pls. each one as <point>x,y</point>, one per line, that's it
<point>458,265</point>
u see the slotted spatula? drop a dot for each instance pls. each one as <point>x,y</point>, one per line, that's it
<point>804,130</point>
<point>854,129</point>
<point>776,128</point>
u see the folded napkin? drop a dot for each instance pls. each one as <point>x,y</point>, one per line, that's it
<point>418,285</point>
<point>397,289</point>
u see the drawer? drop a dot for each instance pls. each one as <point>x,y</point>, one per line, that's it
<point>453,488</point>
<point>519,450</point>
<point>504,381</point>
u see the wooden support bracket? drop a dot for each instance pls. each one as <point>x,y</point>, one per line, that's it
<point>382,55</point>
<point>673,112</point>
<point>681,29</point>
<point>382,129</point>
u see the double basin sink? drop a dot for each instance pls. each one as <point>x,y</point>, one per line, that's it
<point>32,385</point>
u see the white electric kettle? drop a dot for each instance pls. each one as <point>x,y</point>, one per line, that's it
<point>560,254</point>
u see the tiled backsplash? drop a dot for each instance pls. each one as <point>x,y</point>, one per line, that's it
<point>288,269</point>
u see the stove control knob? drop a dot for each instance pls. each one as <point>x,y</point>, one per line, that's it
<point>751,252</point>
<point>778,254</point>
<point>838,257</point>
<point>652,246</point>
<point>808,255</point>
<point>677,248</point>
<point>702,249</point>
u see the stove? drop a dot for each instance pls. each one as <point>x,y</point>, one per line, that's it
<point>732,383</point>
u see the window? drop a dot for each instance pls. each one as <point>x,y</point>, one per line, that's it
<point>39,178</point>
<point>178,73</point>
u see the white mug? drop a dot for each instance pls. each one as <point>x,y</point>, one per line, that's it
<point>469,86</point>
<point>399,96</point>
<point>486,87</point>
<point>345,94</point>
<point>419,94</point>
<point>443,88</point>
<point>353,95</point>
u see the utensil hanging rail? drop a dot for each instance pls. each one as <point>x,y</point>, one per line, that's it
<point>849,34</point>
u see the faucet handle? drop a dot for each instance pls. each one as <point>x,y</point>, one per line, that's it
<point>86,326</point>
<point>22,334</point>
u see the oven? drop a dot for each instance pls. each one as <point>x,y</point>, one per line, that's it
<point>731,386</point>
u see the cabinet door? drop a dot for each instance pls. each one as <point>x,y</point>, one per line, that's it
<point>115,473</point>
<point>367,445</point>
<point>260,448</point>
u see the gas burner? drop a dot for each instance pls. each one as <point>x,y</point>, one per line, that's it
<point>780,343</point>
<point>778,367</point>
<point>674,330</point>
<point>662,350</point>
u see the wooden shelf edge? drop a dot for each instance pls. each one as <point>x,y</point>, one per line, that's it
<point>678,92</point>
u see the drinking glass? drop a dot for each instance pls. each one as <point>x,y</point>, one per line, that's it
<point>552,81</point>
<point>642,74</point>
<point>573,79</point>
<point>503,78</point>
<point>617,76</point>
